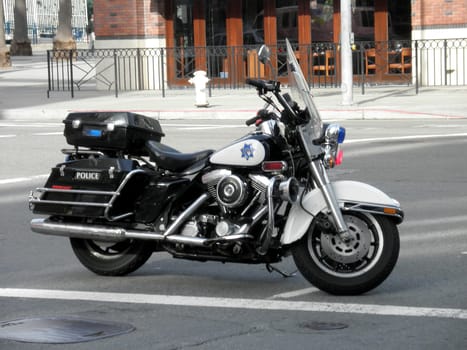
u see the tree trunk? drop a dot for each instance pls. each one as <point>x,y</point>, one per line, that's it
<point>4,51</point>
<point>21,45</point>
<point>64,37</point>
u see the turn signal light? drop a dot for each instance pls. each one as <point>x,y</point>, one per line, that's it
<point>390,211</point>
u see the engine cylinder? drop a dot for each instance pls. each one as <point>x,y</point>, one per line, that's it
<point>232,191</point>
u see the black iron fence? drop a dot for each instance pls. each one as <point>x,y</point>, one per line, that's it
<point>106,69</point>
<point>418,63</point>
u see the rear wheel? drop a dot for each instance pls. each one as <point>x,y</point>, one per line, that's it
<point>349,269</point>
<point>111,259</point>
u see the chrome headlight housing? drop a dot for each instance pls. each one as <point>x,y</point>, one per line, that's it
<point>334,135</point>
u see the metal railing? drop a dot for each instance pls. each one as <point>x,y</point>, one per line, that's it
<point>419,63</point>
<point>441,62</point>
<point>107,69</point>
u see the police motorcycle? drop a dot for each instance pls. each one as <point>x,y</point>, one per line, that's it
<point>122,195</point>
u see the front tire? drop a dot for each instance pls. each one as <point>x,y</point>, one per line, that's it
<point>111,259</point>
<point>340,269</point>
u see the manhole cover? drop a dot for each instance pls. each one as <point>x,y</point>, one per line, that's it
<point>323,326</point>
<point>60,330</point>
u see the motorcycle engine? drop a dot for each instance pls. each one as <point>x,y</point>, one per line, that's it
<point>232,191</point>
<point>236,195</point>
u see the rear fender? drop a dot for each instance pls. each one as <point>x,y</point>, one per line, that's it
<point>351,195</point>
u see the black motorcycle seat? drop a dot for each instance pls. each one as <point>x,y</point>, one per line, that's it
<point>170,159</point>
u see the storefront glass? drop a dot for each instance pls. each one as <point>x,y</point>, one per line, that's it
<point>322,20</point>
<point>400,26</point>
<point>363,20</point>
<point>287,21</point>
<point>184,59</point>
<point>216,34</point>
<point>221,36</point>
<point>252,13</point>
<point>183,24</point>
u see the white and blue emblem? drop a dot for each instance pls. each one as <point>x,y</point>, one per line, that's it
<point>247,151</point>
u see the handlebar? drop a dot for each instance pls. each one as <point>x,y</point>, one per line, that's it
<point>262,114</point>
<point>263,85</point>
<point>251,121</point>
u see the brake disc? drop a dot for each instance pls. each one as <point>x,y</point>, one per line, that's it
<point>347,253</point>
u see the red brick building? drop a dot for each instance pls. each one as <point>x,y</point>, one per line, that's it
<point>129,19</point>
<point>439,19</point>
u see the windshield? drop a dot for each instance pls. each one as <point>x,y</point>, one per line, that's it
<point>301,93</point>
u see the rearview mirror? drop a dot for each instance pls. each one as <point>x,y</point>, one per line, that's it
<point>264,54</point>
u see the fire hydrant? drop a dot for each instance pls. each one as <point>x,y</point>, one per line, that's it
<point>200,80</point>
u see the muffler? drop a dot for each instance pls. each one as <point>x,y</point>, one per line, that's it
<point>117,234</point>
<point>105,233</point>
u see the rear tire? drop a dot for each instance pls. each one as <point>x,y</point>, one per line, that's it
<point>111,259</point>
<point>330,265</point>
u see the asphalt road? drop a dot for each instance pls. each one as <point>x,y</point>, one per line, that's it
<point>176,304</point>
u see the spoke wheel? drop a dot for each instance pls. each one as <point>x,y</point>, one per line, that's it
<point>354,268</point>
<point>111,259</point>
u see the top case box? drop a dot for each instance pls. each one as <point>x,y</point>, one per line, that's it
<point>112,131</point>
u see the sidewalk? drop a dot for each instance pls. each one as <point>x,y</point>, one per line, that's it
<point>23,95</point>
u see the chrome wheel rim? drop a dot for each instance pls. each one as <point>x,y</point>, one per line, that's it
<point>342,260</point>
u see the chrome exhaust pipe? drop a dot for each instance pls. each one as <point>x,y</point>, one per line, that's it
<point>117,234</point>
<point>72,230</point>
<point>106,233</point>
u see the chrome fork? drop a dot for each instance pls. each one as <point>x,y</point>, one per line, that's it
<point>320,175</point>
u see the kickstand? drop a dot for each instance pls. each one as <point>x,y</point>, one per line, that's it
<point>272,269</point>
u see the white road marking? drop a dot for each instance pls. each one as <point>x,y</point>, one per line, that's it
<point>195,127</point>
<point>203,125</point>
<point>47,133</point>
<point>31,125</point>
<point>436,221</point>
<point>402,138</point>
<point>426,235</point>
<point>211,127</point>
<point>19,198</point>
<point>235,303</point>
<point>22,179</point>
<point>295,293</point>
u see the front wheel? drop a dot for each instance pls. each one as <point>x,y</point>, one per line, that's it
<point>111,259</point>
<point>349,269</point>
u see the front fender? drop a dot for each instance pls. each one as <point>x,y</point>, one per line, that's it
<point>351,195</point>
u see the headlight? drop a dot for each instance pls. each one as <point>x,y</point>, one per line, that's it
<point>334,134</point>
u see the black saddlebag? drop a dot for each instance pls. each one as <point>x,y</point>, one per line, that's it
<point>112,131</point>
<point>93,187</point>
<point>157,196</point>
